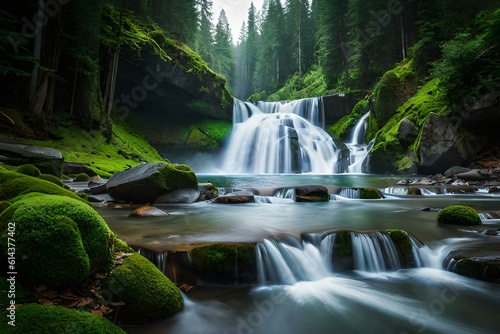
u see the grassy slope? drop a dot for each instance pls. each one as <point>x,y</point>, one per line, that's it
<point>125,149</point>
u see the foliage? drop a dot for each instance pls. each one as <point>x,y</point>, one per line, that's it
<point>48,319</point>
<point>28,170</point>
<point>312,83</point>
<point>458,215</point>
<point>343,126</point>
<point>146,291</point>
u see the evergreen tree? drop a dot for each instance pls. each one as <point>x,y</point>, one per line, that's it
<point>222,50</point>
<point>251,50</point>
<point>239,60</point>
<point>205,40</point>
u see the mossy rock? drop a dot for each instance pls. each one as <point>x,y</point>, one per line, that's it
<point>404,248</point>
<point>49,319</point>
<point>28,170</point>
<point>146,182</point>
<point>225,264</point>
<point>459,215</point>
<point>146,291</point>
<point>342,252</point>
<point>368,193</point>
<point>4,205</point>
<point>121,246</point>
<point>59,240</point>
<point>13,184</point>
<point>52,178</point>
<point>82,177</point>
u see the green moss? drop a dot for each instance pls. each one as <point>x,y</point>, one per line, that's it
<point>367,193</point>
<point>458,215</point>
<point>209,134</point>
<point>403,246</point>
<point>312,83</point>
<point>13,184</point>
<point>148,294</point>
<point>120,245</point>
<point>49,319</point>
<point>53,179</point>
<point>59,240</point>
<point>4,205</point>
<point>179,176</point>
<point>82,177</point>
<point>342,127</point>
<point>225,263</point>
<point>343,243</point>
<point>28,170</point>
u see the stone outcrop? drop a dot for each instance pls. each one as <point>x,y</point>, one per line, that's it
<point>146,182</point>
<point>47,160</point>
<point>311,193</point>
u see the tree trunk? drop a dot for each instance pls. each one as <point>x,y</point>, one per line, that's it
<point>37,52</point>
<point>41,94</point>
<point>71,109</point>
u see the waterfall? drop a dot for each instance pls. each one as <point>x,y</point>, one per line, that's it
<point>283,137</point>
<point>359,149</point>
<point>282,262</point>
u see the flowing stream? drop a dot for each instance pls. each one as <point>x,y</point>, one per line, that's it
<point>275,147</point>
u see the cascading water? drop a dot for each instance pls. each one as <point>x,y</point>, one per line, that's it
<point>311,260</point>
<point>358,147</point>
<point>283,137</point>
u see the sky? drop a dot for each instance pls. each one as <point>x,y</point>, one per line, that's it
<point>236,12</point>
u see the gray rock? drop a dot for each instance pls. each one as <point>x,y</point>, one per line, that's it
<point>471,175</point>
<point>407,132</point>
<point>450,172</point>
<point>179,196</point>
<point>242,196</point>
<point>146,182</point>
<point>73,168</point>
<point>47,160</point>
<point>311,193</point>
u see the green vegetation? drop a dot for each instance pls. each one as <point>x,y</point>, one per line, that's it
<point>148,294</point>
<point>49,319</point>
<point>82,177</point>
<point>403,246</point>
<point>13,184</point>
<point>4,297</point>
<point>60,240</point>
<point>342,127</point>
<point>343,244</point>
<point>312,83</point>
<point>28,170</point>
<point>225,263</point>
<point>53,179</point>
<point>125,149</point>
<point>458,215</point>
<point>367,193</point>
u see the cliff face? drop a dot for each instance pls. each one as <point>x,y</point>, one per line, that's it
<point>163,88</point>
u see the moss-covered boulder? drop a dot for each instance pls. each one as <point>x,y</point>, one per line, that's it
<point>403,245</point>
<point>47,160</point>
<point>49,319</point>
<point>13,184</point>
<point>28,170</point>
<point>370,193</point>
<point>82,177</point>
<point>51,178</point>
<point>225,264</point>
<point>469,264</point>
<point>59,240</point>
<point>146,182</point>
<point>458,215</point>
<point>147,293</point>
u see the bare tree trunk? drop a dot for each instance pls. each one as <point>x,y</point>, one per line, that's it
<point>37,52</point>
<point>41,94</point>
<point>71,109</point>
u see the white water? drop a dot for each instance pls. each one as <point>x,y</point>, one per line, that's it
<point>359,148</point>
<point>282,137</point>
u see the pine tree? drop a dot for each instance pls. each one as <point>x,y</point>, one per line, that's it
<point>205,40</point>
<point>222,50</point>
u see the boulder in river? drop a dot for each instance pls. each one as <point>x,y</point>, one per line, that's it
<point>47,160</point>
<point>146,182</point>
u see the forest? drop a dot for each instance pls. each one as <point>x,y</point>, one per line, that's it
<point>61,57</point>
